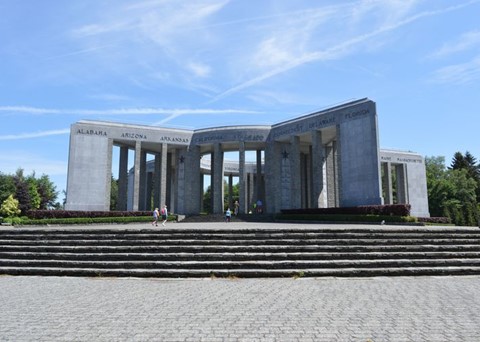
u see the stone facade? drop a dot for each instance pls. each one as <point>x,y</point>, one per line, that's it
<point>324,159</point>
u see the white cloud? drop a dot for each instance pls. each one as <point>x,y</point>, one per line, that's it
<point>346,46</point>
<point>199,69</point>
<point>34,134</point>
<point>122,111</point>
<point>459,73</point>
<point>465,42</point>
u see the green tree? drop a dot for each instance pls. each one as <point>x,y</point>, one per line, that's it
<point>469,163</point>
<point>47,191</point>
<point>114,194</point>
<point>9,207</point>
<point>451,192</point>
<point>7,186</point>
<point>35,198</point>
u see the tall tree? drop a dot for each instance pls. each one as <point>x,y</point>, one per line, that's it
<point>469,163</point>
<point>7,186</point>
<point>47,191</point>
<point>451,192</point>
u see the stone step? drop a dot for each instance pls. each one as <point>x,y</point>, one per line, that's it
<point>242,273</point>
<point>221,256</point>
<point>234,248</point>
<point>252,252</point>
<point>231,235</point>
<point>250,242</point>
<point>252,263</point>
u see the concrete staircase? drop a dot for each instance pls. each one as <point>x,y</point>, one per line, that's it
<point>239,252</point>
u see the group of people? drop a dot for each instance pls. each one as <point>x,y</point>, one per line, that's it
<point>163,214</point>
<point>157,214</point>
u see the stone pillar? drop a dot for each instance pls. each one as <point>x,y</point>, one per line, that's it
<point>242,180</point>
<point>218,179</point>
<point>387,182</point>
<point>317,160</point>
<point>337,155</point>
<point>180,186</point>
<point>258,178</point>
<point>330,171</point>
<point>358,157</point>
<point>305,180</point>
<point>273,177</point>
<point>143,181</point>
<point>172,181</point>
<point>295,173</point>
<point>251,190</point>
<point>108,175</point>
<point>202,186</point>
<point>157,181</point>
<point>230,191</point>
<point>163,174</point>
<point>402,192</point>
<point>136,179</point>
<point>192,184</point>
<point>123,179</point>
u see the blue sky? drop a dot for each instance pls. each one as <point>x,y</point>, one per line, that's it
<point>205,63</point>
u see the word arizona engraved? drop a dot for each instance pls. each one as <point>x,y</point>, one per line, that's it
<point>91,132</point>
<point>134,136</point>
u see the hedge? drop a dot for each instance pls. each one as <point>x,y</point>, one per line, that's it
<point>385,210</point>
<point>346,218</point>
<point>47,214</point>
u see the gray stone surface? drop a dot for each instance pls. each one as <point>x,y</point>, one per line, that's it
<point>305,309</point>
<point>129,309</point>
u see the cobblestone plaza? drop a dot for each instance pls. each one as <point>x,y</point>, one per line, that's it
<point>328,309</point>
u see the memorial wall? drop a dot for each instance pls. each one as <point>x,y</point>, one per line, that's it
<point>330,158</point>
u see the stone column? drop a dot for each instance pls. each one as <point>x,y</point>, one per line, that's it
<point>331,179</point>
<point>172,177</point>
<point>230,191</point>
<point>402,192</point>
<point>192,184</point>
<point>242,179</point>
<point>136,179</point>
<point>317,160</point>
<point>251,190</point>
<point>295,173</point>
<point>180,168</point>
<point>387,182</point>
<point>157,181</point>
<point>337,154</point>
<point>218,179</point>
<point>143,180</point>
<point>258,179</point>
<point>123,179</point>
<point>108,175</point>
<point>273,177</point>
<point>305,180</point>
<point>163,174</point>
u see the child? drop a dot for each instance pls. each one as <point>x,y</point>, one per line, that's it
<point>155,217</point>
<point>228,215</point>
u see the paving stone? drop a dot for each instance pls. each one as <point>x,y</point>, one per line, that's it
<point>324,309</point>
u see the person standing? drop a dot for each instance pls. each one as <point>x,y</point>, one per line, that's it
<point>164,215</point>
<point>156,214</point>
<point>228,215</point>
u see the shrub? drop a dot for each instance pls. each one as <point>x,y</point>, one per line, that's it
<point>390,209</point>
<point>9,207</point>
